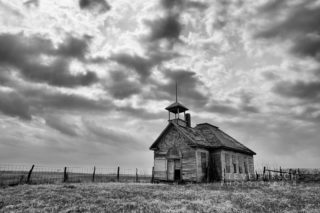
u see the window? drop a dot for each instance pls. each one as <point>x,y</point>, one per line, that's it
<point>203,157</point>
<point>234,163</point>
<point>227,161</point>
<point>160,165</point>
<point>245,166</point>
<point>240,164</point>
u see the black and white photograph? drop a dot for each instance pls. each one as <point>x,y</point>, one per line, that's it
<point>160,106</point>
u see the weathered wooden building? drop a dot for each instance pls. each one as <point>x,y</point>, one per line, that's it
<point>203,153</point>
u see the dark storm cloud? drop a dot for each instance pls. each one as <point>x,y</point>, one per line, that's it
<point>24,54</point>
<point>167,27</point>
<point>182,4</point>
<point>140,64</point>
<point>299,89</point>
<point>189,85</point>
<point>300,26</point>
<point>143,65</point>
<point>227,107</point>
<point>73,47</point>
<point>15,105</point>
<point>120,86</point>
<point>98,5</point>
<point>61,125</point>
<point>31,3</point>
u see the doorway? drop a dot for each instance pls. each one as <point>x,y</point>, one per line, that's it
<point>177,170</point>
<point>174,170</point>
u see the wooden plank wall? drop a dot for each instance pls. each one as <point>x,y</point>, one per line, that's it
<point>239,159</point>
<point>188,162</point>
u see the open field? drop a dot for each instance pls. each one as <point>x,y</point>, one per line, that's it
<point>142,197</point>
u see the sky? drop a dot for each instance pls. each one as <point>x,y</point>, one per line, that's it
<point>86,82</point>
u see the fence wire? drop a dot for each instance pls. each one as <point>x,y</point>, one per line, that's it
<point>11,174</point>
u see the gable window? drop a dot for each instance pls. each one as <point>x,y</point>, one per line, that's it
<point>227,161</point>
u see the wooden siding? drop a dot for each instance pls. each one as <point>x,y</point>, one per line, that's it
<point>188,160</point>
<point>240,160</point>
<point>201,173</point>
<point>217,165</point>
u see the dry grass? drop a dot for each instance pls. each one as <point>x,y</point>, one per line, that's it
<point>130,197</point>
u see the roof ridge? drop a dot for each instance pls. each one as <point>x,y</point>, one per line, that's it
<point>206,123</point>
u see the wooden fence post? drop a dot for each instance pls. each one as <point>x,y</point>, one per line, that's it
<point>152,175</point>
<point>280,172</point>
<point>94,173</point>
<point>29,174</point>
<point>264,172</point>
<point>257,176</point>
<point>65,175</point>
<point>136,175</point>
<point>270,177</point>
<point>224,175</point>
<point>118,173</point>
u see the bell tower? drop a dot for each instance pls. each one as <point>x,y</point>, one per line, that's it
<point>176,108</point>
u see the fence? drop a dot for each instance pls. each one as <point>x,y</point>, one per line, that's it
<point>18,174</point>
<point>267,174</point>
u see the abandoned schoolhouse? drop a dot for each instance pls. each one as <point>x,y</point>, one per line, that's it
<point>203,153</point>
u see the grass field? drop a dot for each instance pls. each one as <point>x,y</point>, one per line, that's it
<point>142,197</point>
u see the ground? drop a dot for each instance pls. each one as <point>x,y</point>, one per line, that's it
<point>142,197</point>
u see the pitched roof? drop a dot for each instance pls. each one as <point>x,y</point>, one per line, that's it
<point>207,136</point>
<point>218,138</point>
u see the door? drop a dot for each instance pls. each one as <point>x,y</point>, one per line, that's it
<point>171,170</point>
<point>177,170</point>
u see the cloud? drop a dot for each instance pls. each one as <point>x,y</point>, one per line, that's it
<point>61,125</point>
<point>73,47</point>
<point>182,5</point>
<point>24,54</point>
<point>140,113</point>
<point>143,65</point>
<point>43,99</point>
<point>167,27</point>
<point>223,109</point>
<point>100,6</point>
<point>189,88</point>
<point>139,64</point>
<point>299,89</point>
<point>15,105</point>
<point>114,137</point>
<point>120,86</point>
<point>31,3</point>
<point>299,25</point>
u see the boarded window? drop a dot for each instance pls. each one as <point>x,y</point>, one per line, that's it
<point>160,165</point>
<point>240,164</point>
<point>227,160</point>
<point>234,163</point>
<point>203,160</point>
<point>245,166</point>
